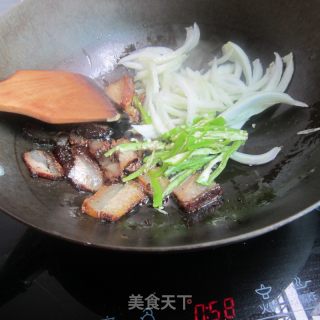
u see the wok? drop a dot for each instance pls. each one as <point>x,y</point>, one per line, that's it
<point>89,37</point>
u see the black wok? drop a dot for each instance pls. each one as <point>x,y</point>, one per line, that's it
<point>88,37</point>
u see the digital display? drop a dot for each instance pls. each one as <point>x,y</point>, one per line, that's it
<point>215,310</point>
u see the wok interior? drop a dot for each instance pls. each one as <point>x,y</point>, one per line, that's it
<point>91,39</point>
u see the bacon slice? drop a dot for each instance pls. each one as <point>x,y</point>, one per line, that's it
<point>144,180</point>
<point>64,156</point>
<point>77,140</point>
<point>62,139</point>
<point>114,167</point>
<point>110,169</point>
<point>43,164</point>
<point>126,158</point>
<point>112,202</point>
<point>84,134</point>
<point>94,131</point>
<point>133,166</point>
<point>133,113</point>
<point>78,166</point>
<point>121,92</point>
<point>191,196</point>
<point>42,134</point>
<point>85,174</point>
<point>98,147</point>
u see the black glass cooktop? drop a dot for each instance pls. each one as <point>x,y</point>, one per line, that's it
<point>276,276</point>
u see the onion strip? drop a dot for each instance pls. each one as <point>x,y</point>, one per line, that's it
<point>258,159</point>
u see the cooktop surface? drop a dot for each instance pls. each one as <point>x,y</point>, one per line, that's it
<point>275,276</point>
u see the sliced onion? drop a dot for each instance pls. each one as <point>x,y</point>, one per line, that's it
<point>175,100</point>
<point>227,68</point>
<point>178,122</point>
<point>257,72</point>
<point>308,131</point>
<point>258,159</point>
<point>224,97</point>
<point>149,52</point>
<point>262,82</point>
<point>287,74</point>
<point>237,70</point>
<point>203,105</point>
<point>191,99</point>
<point>276,74</point>
<point>155,79</point>
<point>224,58</point>
<point>214,65</point>
<point>146,130</point>
<point>192,40</point>
<point>238,114</point>
<point>174,111</point>
<point>134,65</point>
<point>170,66</point>
<point>239,55</point>
<point>163,114</point>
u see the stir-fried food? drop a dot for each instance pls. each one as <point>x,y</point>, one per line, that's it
<point>186,125</point>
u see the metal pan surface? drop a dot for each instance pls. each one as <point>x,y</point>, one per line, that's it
<point>89,37</point>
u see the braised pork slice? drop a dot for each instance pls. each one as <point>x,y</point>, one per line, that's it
<point>133,166</point>
<point>129,160</point>
<point>43,134</point>
<point>76,139</point>
<point>114,167</point>
<point>84,134</point>
<point>110,169</point>
<point>133,113</point>
<point>126,158</point>
<point>144,180</point>
<point>192,196</point>
<point>98,147</point>
<point>85,173</point>
<point>43,164</point>
<point>64,156</point>
<point>121,92</point>
<point>112,202</point>
<point>94,131</point>
<point>62,139</point>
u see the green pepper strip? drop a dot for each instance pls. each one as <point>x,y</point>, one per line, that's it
<point>144,114</point>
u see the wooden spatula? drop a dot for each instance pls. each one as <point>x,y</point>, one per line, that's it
<point>55,97</point>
